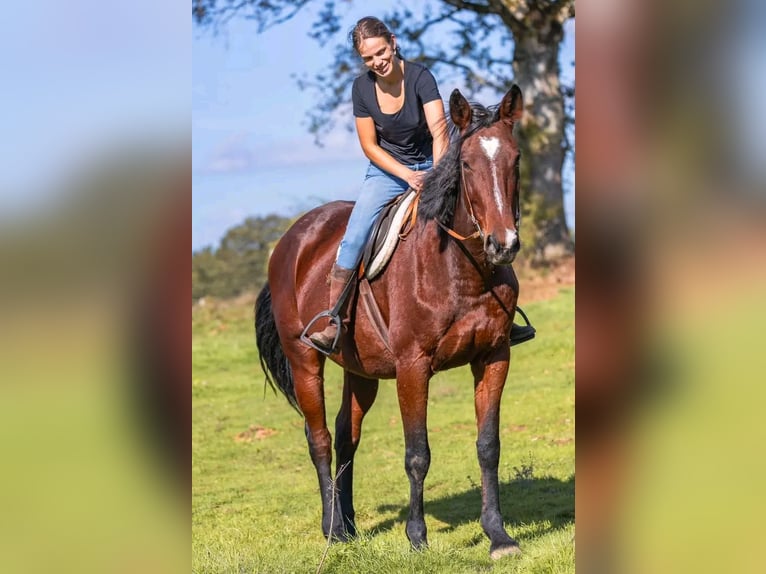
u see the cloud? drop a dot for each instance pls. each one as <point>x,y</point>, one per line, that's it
<point>243,152</point>
<point>339,145</point>
<point>244,149</point>
<point>232,155</point>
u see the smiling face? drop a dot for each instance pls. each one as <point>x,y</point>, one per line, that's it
<point>379,55</point>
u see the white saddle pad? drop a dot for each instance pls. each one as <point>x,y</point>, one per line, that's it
<point>380,259</point>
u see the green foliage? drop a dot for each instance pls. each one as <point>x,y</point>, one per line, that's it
<point>240,263</point>
<point>256,506</point>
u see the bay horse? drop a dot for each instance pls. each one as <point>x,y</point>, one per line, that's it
<point>448,298</point>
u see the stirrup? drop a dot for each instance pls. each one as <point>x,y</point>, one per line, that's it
<point>527,333</point>
<point>335,318</point>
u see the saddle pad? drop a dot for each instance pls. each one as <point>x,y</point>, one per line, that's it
<point>385,235</point>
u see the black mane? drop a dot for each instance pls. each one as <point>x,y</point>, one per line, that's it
<point>442,184</point>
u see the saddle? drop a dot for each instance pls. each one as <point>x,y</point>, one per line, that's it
<point>395,221</point>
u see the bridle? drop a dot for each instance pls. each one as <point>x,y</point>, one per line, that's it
<point>479,231</point>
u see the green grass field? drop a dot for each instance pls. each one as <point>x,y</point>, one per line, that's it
<point>256,504</point>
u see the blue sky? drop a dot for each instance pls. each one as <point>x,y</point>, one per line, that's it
<point>251,152</point>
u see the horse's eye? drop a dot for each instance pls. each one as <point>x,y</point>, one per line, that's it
<point>466,166</point>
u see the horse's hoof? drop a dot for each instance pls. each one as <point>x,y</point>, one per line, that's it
<point>342,536</point>
<point>506,550</point>
<point>416,534</point>
<point>337,536</point>
<point>350,531</point>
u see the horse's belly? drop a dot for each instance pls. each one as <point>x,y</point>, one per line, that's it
<point>368,366</point>
<point>366,354</point>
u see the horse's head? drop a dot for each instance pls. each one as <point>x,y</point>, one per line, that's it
<point>490,174</point>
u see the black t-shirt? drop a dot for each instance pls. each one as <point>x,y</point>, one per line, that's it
<point>404,134</point>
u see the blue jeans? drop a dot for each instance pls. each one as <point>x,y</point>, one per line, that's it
<point>378,189</point>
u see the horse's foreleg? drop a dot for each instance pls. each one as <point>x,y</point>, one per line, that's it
<point>412,390</point>
<point>358,395</point>
<point>309,390</point>
<point>489,379</point>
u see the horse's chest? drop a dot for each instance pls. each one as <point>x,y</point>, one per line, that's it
<point>480,328</point>
<point>471,333</point>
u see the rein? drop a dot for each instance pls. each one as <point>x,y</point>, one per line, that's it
<point>479,270</point>
<point>478,233</point>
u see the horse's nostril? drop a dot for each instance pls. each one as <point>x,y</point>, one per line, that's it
<point>492,242</point>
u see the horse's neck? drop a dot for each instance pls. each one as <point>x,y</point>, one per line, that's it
<point>462,258</point>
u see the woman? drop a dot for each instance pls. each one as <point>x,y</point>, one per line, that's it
<point>402,129</point>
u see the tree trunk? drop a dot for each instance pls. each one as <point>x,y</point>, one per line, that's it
<point>536,70</point>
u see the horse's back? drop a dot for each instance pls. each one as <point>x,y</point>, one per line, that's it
<point>311,240</point>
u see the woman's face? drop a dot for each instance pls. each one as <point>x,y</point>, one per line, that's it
<point>378,55</point>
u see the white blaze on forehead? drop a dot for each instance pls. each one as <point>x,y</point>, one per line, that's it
<point>490,146</point>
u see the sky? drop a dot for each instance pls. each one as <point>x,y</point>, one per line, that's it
<point>252,154</point>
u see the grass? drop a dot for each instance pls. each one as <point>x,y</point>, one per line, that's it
<point>256,504</point>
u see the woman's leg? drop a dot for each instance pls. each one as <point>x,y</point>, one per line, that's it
<point>378,189</point>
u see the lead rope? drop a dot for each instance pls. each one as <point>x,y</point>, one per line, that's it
<point>410,217</point>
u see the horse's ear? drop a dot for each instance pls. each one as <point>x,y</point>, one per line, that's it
<point>460,110</point>
<point>512,106</point>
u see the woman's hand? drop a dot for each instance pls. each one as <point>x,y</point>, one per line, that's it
<point>415,179</point>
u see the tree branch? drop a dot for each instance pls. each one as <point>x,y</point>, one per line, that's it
<point>471,6</point>
<point>264,24</point>
<point>565,9</point>
<point>417,32</point>
<point>512,12</point>
<point>480,80</point>
<point>265,14</point>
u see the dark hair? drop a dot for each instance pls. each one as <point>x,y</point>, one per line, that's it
<point>370,27</point>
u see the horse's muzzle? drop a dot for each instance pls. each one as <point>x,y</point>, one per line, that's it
<point>502,253</point>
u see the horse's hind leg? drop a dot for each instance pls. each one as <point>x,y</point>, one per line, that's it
<point>309,390</point>
<point>358,395</point>
<point>489,379</point>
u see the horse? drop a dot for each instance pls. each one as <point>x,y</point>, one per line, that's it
<point>447,296</point>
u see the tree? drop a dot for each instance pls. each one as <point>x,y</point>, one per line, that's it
<point>241,261</point>
<point>203,270</point>
<point>480,32</point>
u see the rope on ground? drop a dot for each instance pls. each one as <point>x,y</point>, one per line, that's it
<point>332,516</point>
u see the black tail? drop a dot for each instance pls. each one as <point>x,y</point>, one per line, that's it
<point>273,359</point>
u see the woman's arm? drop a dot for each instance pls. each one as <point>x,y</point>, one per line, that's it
<point>365,129</point>
<point>437,124</point>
